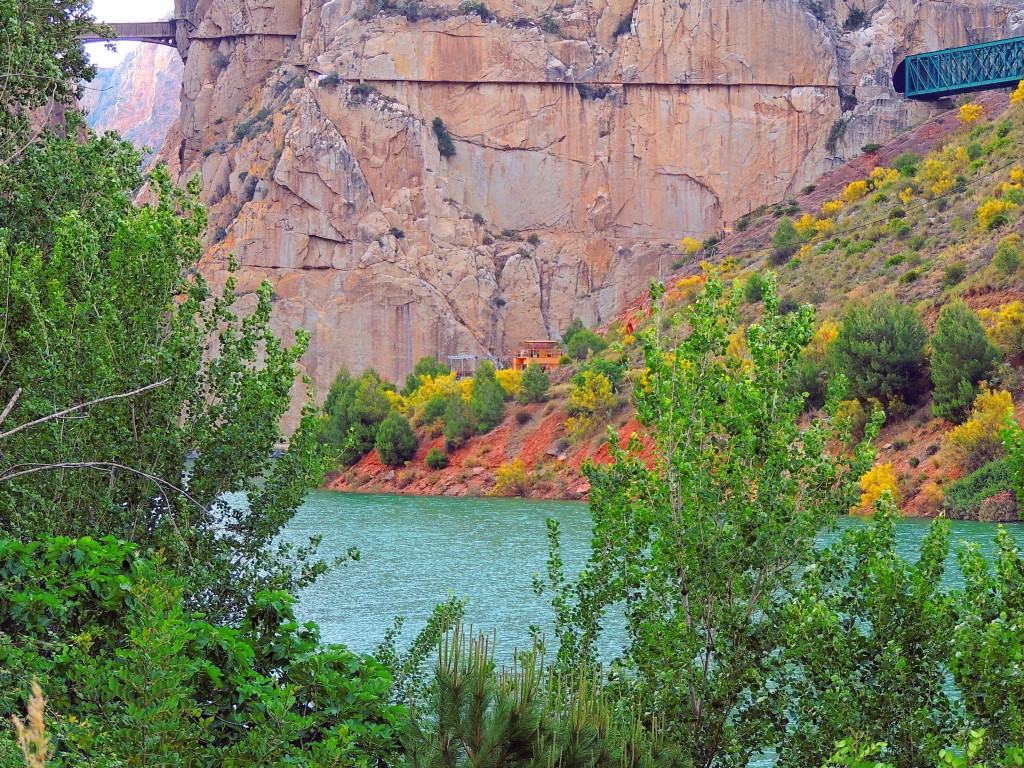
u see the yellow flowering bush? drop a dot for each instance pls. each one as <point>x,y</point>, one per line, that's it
<point>992,213</point>
<point>510,381</point>
<point>685,290</point>
<point>939,178</point>
<point>1005,327</point>
<point>977,440</point>
<point>882,175</point>
<point>1018,95</point>
<point>805,225</point>
<point>832,207</point>
<point>970,113</point>
<point>907,195</point>
<point>855,191</point>
<point>875,482</point>
<point>1017,175</point>
<point>511,479</point>
<point>446,385</point>
<point>824,227</point>
<point>825,335</point>
<point>690,246</point>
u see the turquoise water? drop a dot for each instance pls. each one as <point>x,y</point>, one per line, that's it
<point>417,551</point>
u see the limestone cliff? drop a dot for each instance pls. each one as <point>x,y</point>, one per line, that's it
<point>610,128</point>
<point>139,98</point>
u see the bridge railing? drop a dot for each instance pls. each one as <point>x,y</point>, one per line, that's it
<point>162,32</point>
<point>961,70</point>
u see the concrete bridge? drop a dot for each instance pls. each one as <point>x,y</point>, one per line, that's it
<point>159,32</point>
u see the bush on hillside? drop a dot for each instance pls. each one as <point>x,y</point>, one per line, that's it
<point>979,439</point>
<point>459,425</point>
<point>534,385</point>
<point>880,350</point>
<point>964,497</point>
<point>396,443</point>
<point>487,401</point>
<point>962,357</point>
<point>425,366</point>
<point>436,459</point>
<point>585,342</point>
<point>434,409</point>
<point>753,291</point>
<point>785,242</point>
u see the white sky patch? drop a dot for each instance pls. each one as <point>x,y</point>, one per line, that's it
<point>124,10</point>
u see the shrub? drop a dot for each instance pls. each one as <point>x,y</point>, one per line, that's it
<point>510,380</point>
<point>584,342</point>
<point>458,423</point>
<point>591,395</point>
<point>857,19</point>
<point>511,480</point>
<point>808,189</point>
<point>875,482</point>
<point>1007,258</point>
<point>396,443</point>
<point>534,385</point>
<point>869,148</point>
<point>954,274</point>
<point>992,214</point>
<point>549,25</point>
<point>474,6</point>
<point>523,416</point>
<point>436,459</point>
<point>487,399</point>
<point>786,241</point>
<point>880,350</point>
<point>978,441</point>
<point>753,291</point>
<point>908,160</point>
<point>962,357</point>
<point>855,190</point>
<point>445,145</point>
<point>434,409</point>
<point>964,497</point>
<point>330,81</point>
<point>575,326</point>
<point>533,239</point>
<point>970,113</point>
<point>1005,327</point>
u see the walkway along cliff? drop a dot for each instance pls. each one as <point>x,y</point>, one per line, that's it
<point>608,128</point>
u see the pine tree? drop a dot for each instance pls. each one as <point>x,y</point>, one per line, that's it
<point>962,356</point>
<point>534,386</point>
<point>487,402</point>
<point>396,443</point>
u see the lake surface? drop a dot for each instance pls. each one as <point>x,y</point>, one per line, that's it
<point>417,551</point>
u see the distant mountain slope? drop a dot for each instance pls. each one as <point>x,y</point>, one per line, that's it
<point>139,98</point>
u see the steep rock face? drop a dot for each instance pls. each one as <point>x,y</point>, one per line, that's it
<point>140,98</point>
<point>610,129</point>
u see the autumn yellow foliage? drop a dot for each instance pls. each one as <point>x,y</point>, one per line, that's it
<point>1017,175</point>
<point>511,479</point>
<point>1005,327</point>
<point>882,175</point>
<point>510,380</point>
<point>690,246</point>
<point>1018,95</point>
<point>825,335</point>
<point>447,385</point>
<point>977,440</point>
<point>824,227</point>
<point>970,113</point>
<point>855,191</point>
<point>832,207</point>
<point>876,481</point>
<point>907,195</point>
<point>804,225</point>
<point>990,210</point>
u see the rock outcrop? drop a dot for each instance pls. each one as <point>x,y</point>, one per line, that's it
<point>608,128</point>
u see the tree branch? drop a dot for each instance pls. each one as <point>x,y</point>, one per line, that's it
<point>10,405</point>
<point>74,408</point>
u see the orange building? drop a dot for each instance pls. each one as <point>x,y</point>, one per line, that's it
<point>544,353</point>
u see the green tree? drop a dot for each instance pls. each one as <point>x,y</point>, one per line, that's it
<point>584,342</point>
<point>459,424</point>
<point>786,241</point>
<point>867,641</point>
<point>754,289</point>
<point>335,424</point>
<point>702,534</point>
<point>396,443</point>
<point>574,327</point>
<point>138,679</point>
<point>962,357</point>
<point>425,366</point>
<point>43,64</point>
<point>534,386</point>
<point>366,411</point>
<point>106,322</point>
<point>487,399</point>
<point>880,350</point>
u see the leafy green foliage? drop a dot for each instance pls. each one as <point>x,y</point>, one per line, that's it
<point>786,241</point>
<point>962,357</point>
<point>754,289</point>
<point>445,145</point>
<point>396,443</point>
<point>702,536</point>
<point>43,63</point>
<point>965,496</point>
<point>459,424</point>
<point>425,366</point>
<point>355,409</point>
<point>575,326</point>
<point>487,401</point>
<point>103,305</point>
<point>867,637</point>
<point>436,459</point>
<point>534,386</point>
<point>522,717</point>
<point>880,351</point>
<point>585,342</point>
<point>107,635</point>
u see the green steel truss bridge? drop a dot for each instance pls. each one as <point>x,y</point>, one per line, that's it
<point>951,71</point>
<point>158,32</point>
